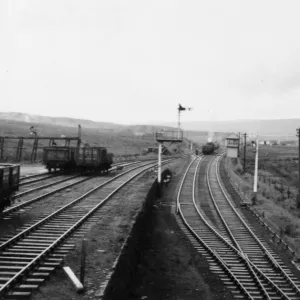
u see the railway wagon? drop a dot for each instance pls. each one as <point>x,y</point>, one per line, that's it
<point>59,157</point>
<point>93,158</point>
<point>9,182</point>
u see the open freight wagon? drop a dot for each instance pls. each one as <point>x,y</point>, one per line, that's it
<point>93,158</point>
<point>9,182</point>
<point>74,158</point>
<point>59,157</point>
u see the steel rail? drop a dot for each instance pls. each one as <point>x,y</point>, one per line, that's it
<point>250,263</point>
<point>245,257</point>
<point>39,179</point>
<point>250,267</point>
<point>25,203</point>
<point>19,275</point>
<point>181,184</point>
<point>268,254</point>
<point>211,251</point>
<point>23,177</point>
<point>235,250</point>
<point>18,195</point>
<point>55,174</point>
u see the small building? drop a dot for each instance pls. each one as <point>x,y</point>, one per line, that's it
<point>232,145</point>
<point>169,136</point>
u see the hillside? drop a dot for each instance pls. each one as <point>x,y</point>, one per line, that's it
<point>120,142</point>
<point>119,139</point>
<point>73,122</point>
<point>67,122</point>
<point>69,125</point>
<point>269,129</point>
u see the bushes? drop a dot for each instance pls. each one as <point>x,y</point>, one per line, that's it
<point>298,202</point>
<point>290,230</point>
<point>237,167</point>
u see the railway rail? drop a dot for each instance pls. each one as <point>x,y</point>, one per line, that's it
<point>28,258</point>
<point>216,229</point>
<point>37,177</point>
<point>34,186</point>
<point>74,180</point>
<point>30,179</point>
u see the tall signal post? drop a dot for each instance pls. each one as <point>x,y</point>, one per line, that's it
<point>255,173</point>
<point>239,149</point>
<point>180,109</point>
<point>168,136</point>
<point>245,145</point>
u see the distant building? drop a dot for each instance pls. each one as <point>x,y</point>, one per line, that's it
<point>232,145</point>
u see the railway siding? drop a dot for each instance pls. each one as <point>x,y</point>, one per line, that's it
<point>106,236</point>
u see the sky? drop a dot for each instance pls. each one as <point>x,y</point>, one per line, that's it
<point>133,62</point>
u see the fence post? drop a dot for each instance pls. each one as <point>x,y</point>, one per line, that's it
<point>82,266</point>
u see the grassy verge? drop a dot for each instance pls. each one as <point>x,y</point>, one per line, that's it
<point>276,198</point>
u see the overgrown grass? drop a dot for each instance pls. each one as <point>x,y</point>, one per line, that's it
<point>277,199</point>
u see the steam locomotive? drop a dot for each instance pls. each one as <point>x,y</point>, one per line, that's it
<point>209,148</point>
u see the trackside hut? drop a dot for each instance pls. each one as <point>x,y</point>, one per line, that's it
<point>232,145</point>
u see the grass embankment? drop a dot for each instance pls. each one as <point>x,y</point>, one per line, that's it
<point>277,188</point>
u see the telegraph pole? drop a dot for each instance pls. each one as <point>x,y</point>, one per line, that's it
<point>239,150</point>
<point>298,196</point>
<point>245,144</point>
<point>159,163</point>
<point>178,121</point>
<point>255,174</point>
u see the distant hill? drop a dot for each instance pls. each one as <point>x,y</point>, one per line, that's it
<point>281,128</point>
<point>111,135</point>
<point>104,127</point>
<point>121,140</point>
<point>73,122</point>
<point>60,121</point>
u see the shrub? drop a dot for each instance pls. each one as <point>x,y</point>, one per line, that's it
<point>239,170</point>
<point>298,202</point>
<point>289,230</point>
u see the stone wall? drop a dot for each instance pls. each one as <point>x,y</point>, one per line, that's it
<point>124,266</point>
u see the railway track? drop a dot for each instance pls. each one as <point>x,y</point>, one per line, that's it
<point>34,185</point>
<point>37,177</point>
<point>32,179</point>
<point>29,257</point>
<point>243,262</point>
<point>58,186</point>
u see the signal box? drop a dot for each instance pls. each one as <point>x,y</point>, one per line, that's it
<point>232,145</point>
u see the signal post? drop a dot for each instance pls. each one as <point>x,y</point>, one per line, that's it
<point>166,137</point>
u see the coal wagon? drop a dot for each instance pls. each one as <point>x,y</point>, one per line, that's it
<point>59,157</point>
<point>9,182</point>
<point>93,159</point>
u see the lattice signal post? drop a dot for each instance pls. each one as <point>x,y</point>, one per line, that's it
<point>35,145</point>
<point>166,137</point>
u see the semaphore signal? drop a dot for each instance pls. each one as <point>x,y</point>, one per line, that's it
<point>181,108</point>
